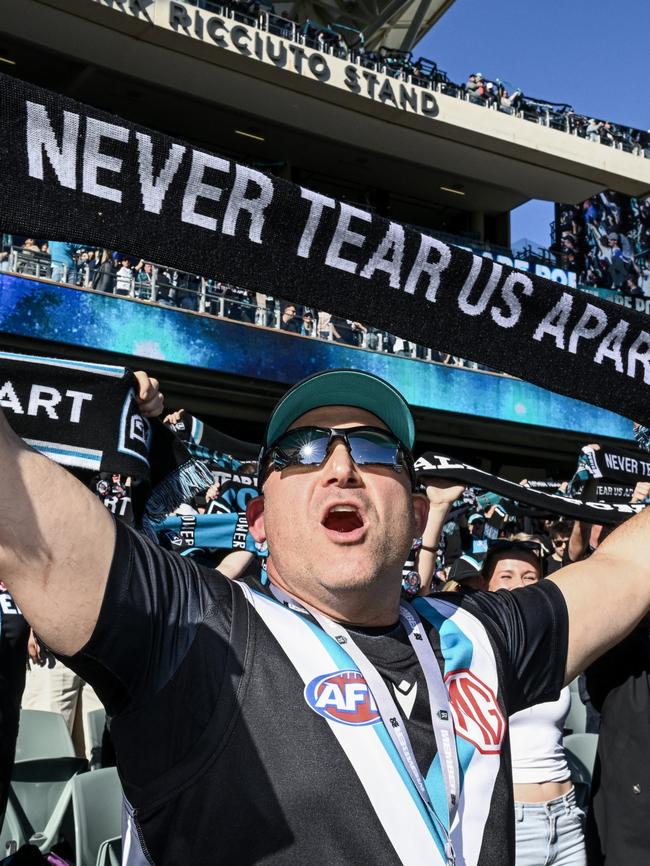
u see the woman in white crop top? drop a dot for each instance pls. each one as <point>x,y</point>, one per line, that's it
<point>549,824</point>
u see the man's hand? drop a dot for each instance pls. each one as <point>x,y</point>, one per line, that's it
<point>149,397</point>
<point>641,492</point>
<point>34,650</point>
<point>443,491</point>
<point>212,492</point>
<point>174,417</point>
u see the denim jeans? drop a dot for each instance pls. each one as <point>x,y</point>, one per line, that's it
<point>59,272</point>
<point>551,833</point>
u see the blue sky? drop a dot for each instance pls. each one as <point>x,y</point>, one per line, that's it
<point>592,54</point>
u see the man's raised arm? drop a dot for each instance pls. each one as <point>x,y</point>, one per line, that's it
<point>608,594</point>
<point>56,538</point>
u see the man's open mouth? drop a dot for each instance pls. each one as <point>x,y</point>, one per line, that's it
<point>343,518</point>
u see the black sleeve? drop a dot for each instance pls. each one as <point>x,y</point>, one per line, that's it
<point>533,626</point>
<point>153,606</point>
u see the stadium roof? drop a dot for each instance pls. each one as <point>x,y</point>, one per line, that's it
<point>398,24</point>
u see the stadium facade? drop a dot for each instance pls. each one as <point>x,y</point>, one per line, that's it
<point>270,89</point>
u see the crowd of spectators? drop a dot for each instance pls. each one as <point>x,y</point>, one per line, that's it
<point>347,42</point>
<point>119,274</point>
<point>606,240</point>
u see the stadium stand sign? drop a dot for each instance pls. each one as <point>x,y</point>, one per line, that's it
<point>246,41</point>
<point>79,174</point>
<point>558,275</point>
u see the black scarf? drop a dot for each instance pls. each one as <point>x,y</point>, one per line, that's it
<point>168,202</point>
<point>432,465</point>
<point>195,432</point>
<point>616,464</point>
<point>83,416</point>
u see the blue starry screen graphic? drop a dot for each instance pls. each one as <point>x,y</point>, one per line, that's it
<point>58,314</point>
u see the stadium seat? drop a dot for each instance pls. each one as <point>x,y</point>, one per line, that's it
<point>576,721</point>
<point>110,852</point>
<point>581,756</point>
<point>97,807</point>
<point>11,831</point>
<point>94,730</point>
<point>43,735</point>
<point>40,794</point>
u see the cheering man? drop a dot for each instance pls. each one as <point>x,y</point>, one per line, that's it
<point>314,719</point>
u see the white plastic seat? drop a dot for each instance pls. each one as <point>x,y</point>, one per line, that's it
<point>97,808</point>
<point>43,735</point>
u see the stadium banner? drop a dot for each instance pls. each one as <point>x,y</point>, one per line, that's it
<point>70,172</point>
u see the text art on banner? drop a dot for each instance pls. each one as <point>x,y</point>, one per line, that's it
<point>75,173</point>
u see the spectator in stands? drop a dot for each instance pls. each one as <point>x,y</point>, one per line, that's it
<point>491,94</point>
<point>618,830</point>
<point>31,245</point>
<point>240,305</point>
<point>124,277</point>
<point>53,688</point>
<point>548,820</point>
<point>324,326</point>
<point>343,331</point>
<point>165,291</point>
<point>144,280</point>
<point>104,276</point>
<point>289,321</point>
<point>64,263</point>
<point>593,130</point>
<point>307,328</point>
<point>265,311</point>
<point>510,101</point>
<point>631,288</point>
<point>608,133</point>
<point>188,289</point>
<point>93,257</point>
<point>560,532</point>
<point>644,277</point>
<point>475,88</point>
<point>373,339</point>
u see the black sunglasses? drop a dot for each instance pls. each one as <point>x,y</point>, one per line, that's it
<point>309,446</point>
<point>501,545</point>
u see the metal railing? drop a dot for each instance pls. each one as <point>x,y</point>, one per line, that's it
<point>348,43</point>
<point>161,286</point>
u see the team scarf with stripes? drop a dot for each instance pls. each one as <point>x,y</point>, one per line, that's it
<point>206,442</point>
<point>190,534</point>
<point>86,417</point>
<point>468,660</point>
<point>628,466</point>
<point>83,416</point>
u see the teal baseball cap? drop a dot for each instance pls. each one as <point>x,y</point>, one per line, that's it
<point>344,388</point>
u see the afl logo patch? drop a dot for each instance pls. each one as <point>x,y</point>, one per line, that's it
<point>342,696</point>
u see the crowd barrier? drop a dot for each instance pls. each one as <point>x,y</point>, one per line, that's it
<point>185,291</point>
<point>156,284</point>
<point>348,43</point>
